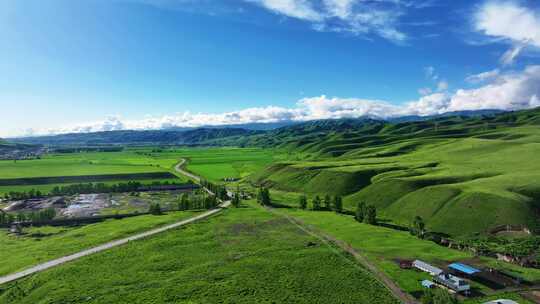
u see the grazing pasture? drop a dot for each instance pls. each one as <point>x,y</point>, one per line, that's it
<point>245,255</point>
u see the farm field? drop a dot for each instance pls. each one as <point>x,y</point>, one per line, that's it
<point>215,164</point>
<point>245,255</point>
<point>40,244</point>
<point>134,163</point>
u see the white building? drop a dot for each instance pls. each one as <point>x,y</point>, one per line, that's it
<point>427,267</point>
<point>450,281</point>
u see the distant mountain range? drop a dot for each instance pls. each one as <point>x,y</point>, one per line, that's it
<point>176,137</point>
<point>260,134</point>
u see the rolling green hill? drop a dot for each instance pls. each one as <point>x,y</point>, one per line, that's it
<point>462,175</point>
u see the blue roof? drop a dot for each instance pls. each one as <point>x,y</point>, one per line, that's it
<point>463,268</point>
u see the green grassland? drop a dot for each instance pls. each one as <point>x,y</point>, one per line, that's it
<point>245,255</point>
<point>384,247</point>
<point>96,163</point>
<point>40,244</point>
<point>458,185</point>
<point>215,164</point>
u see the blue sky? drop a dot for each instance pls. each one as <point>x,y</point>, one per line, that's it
<point>90,65</point>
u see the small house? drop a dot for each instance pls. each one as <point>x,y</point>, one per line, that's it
<point>427,267</point>
<point>452,282</point>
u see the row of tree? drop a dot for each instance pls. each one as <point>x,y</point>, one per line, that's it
<point>32,217</point>
<point>219,190</point>
<point>329,203</point>
<point>86,188</point>
<point>193,201</point>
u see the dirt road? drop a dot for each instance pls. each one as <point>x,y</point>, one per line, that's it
<point>112,244</point>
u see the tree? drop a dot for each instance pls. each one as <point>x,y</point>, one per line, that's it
<point>264,197</point>
<point>317,203</point>
<point>360,212</point>
<point>438,296</point>
<point>155,209</point>
<point>338,204</point>
<point>327,202</point>
<point>418,228</point>
<point>371,215</point>
<point>302,202</point>
<point>236,199</point>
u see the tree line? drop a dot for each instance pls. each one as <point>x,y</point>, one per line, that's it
<point>32,217</point>
<point>86,188</point>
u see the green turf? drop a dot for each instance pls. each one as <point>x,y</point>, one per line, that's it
<point>40,244</point>
<point>246,255</point>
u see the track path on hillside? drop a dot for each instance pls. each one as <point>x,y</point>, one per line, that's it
<point>112,244</point>
<point>399,294</point>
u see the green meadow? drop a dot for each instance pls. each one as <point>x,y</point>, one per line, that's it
<point>215,164</point>
<point>41,244</point>
<point>245,255</point>
<point>458,185</point>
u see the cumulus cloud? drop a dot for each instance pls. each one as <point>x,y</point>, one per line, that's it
<point>512,90</point>
<point>511,22</point>
<point>358,17</point>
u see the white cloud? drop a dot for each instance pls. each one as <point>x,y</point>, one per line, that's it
<point>484,76</point>
<point>511,91</point>
<point>510,22</point>
<point>442,85</point>
<point>358,17</point>
<point>301,9</point>
<point>506,91</point>
<point>425,91</point>
<point>429,71</point>
<point>436,103</point>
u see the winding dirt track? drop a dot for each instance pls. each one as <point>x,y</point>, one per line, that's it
<point>112,244</point>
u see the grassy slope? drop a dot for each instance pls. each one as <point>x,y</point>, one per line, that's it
<point>459,185</point>
<point>243,256</point>
<point>29,249</point>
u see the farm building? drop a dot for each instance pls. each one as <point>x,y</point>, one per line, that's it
<point>427,267</point>
<point>452,282</point>
<point>502,301</point>
<point>405,264</point>
<point>428,284</point>
<point>463,269</point>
